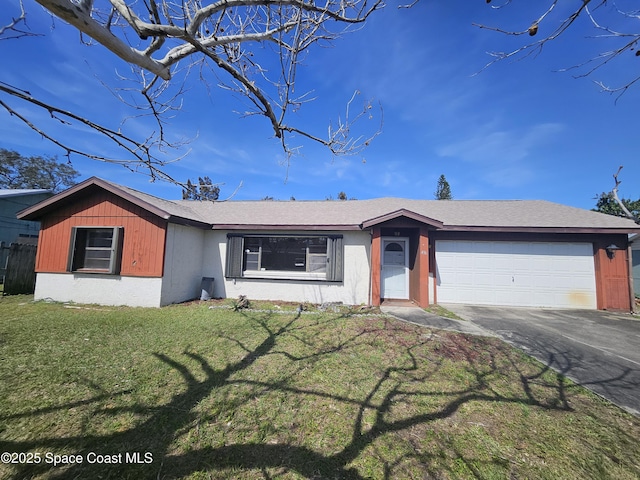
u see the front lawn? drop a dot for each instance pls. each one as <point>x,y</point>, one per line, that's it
<point>192,392</point>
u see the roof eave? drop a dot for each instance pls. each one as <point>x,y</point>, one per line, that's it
<point>276,227</point>
<point>26,193</point>
<point>509,229</point>
<point>403,212</point>
<point>188,222</point>
<point>42,208</point>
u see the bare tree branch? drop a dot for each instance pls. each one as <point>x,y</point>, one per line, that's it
<point>140,153</point>
<point>622,206</point>
<point>628,39</point>
<point>12,31</point>
<point>219,32</point>
<point>339,139</point>
<point>79,15</point>
<point>241,40</point>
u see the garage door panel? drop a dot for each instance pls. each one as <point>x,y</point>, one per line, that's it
<point>497,279</point>
<point>516,273</point>
<point>481,261</point>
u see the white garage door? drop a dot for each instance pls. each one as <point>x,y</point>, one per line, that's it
<point>533,274</point>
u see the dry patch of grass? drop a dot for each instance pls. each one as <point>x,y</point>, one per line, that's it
<point>212,393</point>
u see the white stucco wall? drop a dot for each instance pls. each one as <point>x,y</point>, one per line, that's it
<point>354,290</point>
<point>432,289</point>
<point>193,253</point>
<point>182,264</point>
<point>100,289</point>
<point>181,281</point>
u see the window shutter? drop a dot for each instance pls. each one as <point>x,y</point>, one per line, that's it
<point>72,250</point>
<point>235,244</point>
<point>116,250</point>
<point>335,259</point>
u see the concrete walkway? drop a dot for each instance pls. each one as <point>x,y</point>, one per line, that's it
<point>418,316</point>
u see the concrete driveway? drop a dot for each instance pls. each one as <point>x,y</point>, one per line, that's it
<point>599,350</point>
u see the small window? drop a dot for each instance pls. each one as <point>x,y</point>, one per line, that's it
<point>252,254</point>
<point>95,250</point>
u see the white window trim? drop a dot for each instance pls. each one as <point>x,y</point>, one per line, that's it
<point>284,275</point>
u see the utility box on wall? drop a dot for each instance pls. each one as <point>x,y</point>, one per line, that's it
<point>206,287</point>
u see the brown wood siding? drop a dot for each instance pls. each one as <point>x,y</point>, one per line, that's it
<point>144,234</point>
<point>419,258</point>
<point>419,272</point>
<point>376,252</point>
<point>612,274</point>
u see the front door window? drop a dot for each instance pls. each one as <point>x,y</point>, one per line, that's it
<point>394,253</point>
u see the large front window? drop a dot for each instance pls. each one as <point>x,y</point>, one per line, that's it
<point>286,256</point>
<point>95,250</point>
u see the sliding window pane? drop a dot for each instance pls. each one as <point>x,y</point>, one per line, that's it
<point>98,259</point>
<point>317,263</point>
<point>100,237</point>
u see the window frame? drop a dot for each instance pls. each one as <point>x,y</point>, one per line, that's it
<point>237,258</point>
<point>79,245</point>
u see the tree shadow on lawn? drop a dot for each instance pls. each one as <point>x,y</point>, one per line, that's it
<point>614,379</point>
<point>404,381</point>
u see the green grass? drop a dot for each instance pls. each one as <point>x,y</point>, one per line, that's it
<point>212,393</point>
<point>442,312</point>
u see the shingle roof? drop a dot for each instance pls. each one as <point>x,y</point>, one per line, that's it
<point>492,215</point>
<point>453,214</point>
<point>167,209</point>
<point>181,209</point>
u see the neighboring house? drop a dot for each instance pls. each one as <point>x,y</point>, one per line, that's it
<point>635,261</point>
<point>11,229</point>
<point>109,244</point>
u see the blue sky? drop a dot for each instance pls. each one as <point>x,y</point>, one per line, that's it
<point>517,130</point>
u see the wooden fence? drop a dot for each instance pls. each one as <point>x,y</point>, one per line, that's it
<point>4,254</point>
<point>20,276</point>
